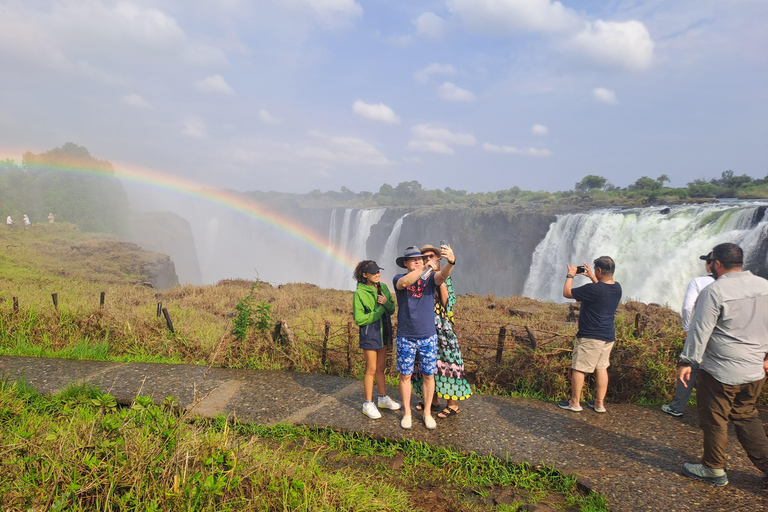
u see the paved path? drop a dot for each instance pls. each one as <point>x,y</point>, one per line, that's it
<point>631,455</point>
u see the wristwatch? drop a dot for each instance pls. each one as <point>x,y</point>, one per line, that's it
<point>569,275</point>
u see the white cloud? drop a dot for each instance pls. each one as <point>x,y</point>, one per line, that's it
<point>205,55</point>
<point>376,112</point>
<point>603,95</point>
<point>432,146</point>
<point>507,17</point>
<point>511,150</point>
<point>137,101</point>
<point>422,76</point>
<point>626,45</point>
<point>215,83</point>
<point>268,118</point>
<point>429,132</point>
<point>194,128</point>
<point>322,152</point>
<point>451,92</point>
<point>330,13</point>
<point>430,26</point>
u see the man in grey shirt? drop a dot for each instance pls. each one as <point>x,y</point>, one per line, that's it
<point>729,339</point>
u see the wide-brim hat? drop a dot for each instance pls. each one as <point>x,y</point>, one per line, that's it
<point>431,248</point>
<point>410,252</point>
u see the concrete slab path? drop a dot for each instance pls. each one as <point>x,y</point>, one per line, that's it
<point>631,455</point>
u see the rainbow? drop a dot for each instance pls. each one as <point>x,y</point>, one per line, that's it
<point>231,200</point>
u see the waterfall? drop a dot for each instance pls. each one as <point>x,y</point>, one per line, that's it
<point>351,239</point>
<point>391,252</point>
<point>656,249</point>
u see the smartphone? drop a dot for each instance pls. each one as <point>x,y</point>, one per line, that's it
<point>581,269</point>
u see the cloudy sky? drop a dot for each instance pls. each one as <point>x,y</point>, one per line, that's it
<point>295,95</point>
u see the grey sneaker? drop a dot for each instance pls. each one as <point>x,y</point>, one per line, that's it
<point>667,409</point>
<point>565,404</point>
<point>702,472</point>
<point>371,411</point>
<point>387,403</point>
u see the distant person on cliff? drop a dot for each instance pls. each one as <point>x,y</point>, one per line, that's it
<point>728,340</point>
<point>9,222</point>
<point>450,381</point>
<point>27,222</point>
<point>416,325</point>
<point>372,306</point>
<point>51,218</point>
<point>683,392</point>
<point>597,334</point>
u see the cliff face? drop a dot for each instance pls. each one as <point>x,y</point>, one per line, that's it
<point>168,233</point>
<point>494,245</point>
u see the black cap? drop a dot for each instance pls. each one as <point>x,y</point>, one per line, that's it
<point>371,268</point>
<point>706,257</point>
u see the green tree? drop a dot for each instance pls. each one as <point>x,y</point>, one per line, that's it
<point>589,182</point>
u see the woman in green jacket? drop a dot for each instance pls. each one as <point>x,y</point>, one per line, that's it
<point>372,305</point>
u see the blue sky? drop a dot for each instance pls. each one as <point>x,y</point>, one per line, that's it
<point>295,95</point>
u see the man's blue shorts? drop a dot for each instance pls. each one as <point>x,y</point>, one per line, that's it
<point>406,354</point>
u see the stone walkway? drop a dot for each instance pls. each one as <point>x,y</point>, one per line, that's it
<point>631,455</point>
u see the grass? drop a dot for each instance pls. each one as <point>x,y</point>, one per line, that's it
<point>56,258</point>
<point>79,451</point>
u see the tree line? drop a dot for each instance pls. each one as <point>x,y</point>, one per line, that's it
<point>93,199</point>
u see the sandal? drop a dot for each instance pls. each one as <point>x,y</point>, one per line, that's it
<point>435,407</point>
<point>447,413</point>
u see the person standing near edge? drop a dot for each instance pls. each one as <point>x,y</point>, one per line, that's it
<point>728,339</point>
<point>371,306</point>
<point>597,333</point>
<point>9,222</point>
<point>416,331</point>
<point>683,392</point>
<point>450,380</point>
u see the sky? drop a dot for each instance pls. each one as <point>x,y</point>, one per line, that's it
<point>480,95</point>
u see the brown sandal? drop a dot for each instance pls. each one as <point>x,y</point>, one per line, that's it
<point>435,407</point>
<point>448,412</point>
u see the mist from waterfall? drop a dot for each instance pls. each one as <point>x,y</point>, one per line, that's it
<point>352,239</point>
<point>656,253</point>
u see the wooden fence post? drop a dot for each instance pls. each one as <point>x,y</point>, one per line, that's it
<point>101,299</point>
<point>55,297</point>
<point>168,320</point>
<point>159,309</point>
<point>350,329</point>
<point>15,304</point>
<point>325,342</point>
<point>531,337</point>
<point>500,344</point>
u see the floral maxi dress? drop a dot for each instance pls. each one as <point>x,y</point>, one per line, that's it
<point>450,380</point>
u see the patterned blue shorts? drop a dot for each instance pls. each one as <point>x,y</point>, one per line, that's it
<point>406,354</point>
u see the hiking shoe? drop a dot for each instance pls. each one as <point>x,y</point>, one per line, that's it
<point>371,411</point>
<point>565,404</point>
<point>667,409</point>
<point>591,405</point>
<point>702,472</point>
<point>387,403</point>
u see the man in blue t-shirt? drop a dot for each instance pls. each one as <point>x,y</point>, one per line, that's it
<point>596,334</point>
<point>416,331</point>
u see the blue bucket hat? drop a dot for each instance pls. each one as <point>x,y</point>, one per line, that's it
<point>410,252</point>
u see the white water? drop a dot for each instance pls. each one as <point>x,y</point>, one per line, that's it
<point>656,255</point>
<point>351,239</point>
<point>391,252</point>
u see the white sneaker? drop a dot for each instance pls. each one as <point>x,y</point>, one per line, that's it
<point>387,403</point>
<point>370,410</point>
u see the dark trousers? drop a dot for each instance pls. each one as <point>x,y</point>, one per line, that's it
<point>718,403</point>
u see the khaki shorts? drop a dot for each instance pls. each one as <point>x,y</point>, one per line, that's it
<point>590,355</point>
